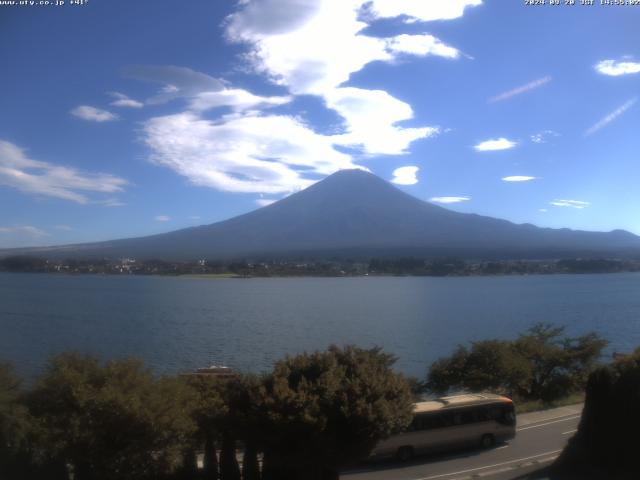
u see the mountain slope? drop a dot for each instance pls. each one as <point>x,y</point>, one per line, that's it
<point>354,212</point>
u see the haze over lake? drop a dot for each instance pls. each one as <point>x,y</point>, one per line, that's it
<point>178,324</point>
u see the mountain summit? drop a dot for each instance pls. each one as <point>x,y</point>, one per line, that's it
<point>356,213</point>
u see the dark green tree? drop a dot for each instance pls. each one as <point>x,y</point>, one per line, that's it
<point>606,444</point>
<point>209,410</point>
<point>326,410</point>
<point>540,364</point>
<point>112,421</point>
<point>16,428</point>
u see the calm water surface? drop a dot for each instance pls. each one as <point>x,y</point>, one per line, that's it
<point>178,324</point>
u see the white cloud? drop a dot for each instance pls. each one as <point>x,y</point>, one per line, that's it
<point>93,114</point>
<point>521,89</point>
<point>579,204</point>
<point>449,199</point>
<point>518,178</point>
<point>42,178</point>
<point>235,98</point>
<point>497,144</point>
<point>543,210</point>
<point>258,154</point>
<point>263,202</point>
<point>616,68</point>
<point>405,175</point>
<point>421,45</point>
<point>423,10</point>
<point>26,230</point>
<point>610,117</point>
<point>544,136</point>
<point>121,100</point>
<point>308,48</point>
<point>290,42</point>
<point>162,218</point>
<point>297,50</point>
<point>371,118</point>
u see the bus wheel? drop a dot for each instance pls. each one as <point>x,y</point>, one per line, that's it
<point>405,454</point>
<point>487,441</point>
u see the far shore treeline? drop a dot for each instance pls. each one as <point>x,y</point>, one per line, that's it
<point>331,267</point>
<point>310,416</point>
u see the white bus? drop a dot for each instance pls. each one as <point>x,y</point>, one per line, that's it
<point>453,422</point>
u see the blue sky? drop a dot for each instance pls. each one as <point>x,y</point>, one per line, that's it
<point>123,118</point>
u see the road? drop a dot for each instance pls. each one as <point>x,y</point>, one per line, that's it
<point>540,438</point>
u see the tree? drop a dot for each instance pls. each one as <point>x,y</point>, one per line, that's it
<point>605,445</point>
<point>208,411</point>
<point>15,427</point>
<point>111,421</point>
<point>540,364</point>
<point>328,409</point>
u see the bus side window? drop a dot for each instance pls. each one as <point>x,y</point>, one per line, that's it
<point>447,419</point>
<point>483,415</point>
<point>414,425</point>
<point>467,416</point>
<point>432,422</point>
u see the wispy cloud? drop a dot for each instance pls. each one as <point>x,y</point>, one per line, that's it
<point>405,175</point>
<point>122,100</point>
<point>251,154</point>
<point>21,236</point>
<point>579,204</point>
<point>93,114</point>
<point>26,230</point>
<point>162,218</point>
<point>497,144</point>
<point>110,202</point>
<point>263,202</point>
<point>616,68</point>
<point>64,228</point>
<point>518,178</point>
<point>449,199</point>
<point>176,82</point>
<point>235,98</point>
<point>543,136</point>
<point>521,89</point>
<point>611,117</point>
<point>19,171</point>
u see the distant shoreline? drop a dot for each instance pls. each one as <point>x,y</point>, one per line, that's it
<point>231,276</point>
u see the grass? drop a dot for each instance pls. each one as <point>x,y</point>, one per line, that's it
<point>536,405</point>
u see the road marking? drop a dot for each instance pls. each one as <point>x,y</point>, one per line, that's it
<point>500,448</point>
<point>442,475</point>
<point>548,423</point>
<point>569,432</point>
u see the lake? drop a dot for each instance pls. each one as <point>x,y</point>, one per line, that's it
<point>177,324</point>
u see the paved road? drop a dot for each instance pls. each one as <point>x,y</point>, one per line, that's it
<point>540,438</point>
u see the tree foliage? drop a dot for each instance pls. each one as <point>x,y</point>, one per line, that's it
<point>606,444</point>
<point>327,409</point>
<point>541,363</point>
<point>15,425</point>
<point>113,420</point>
